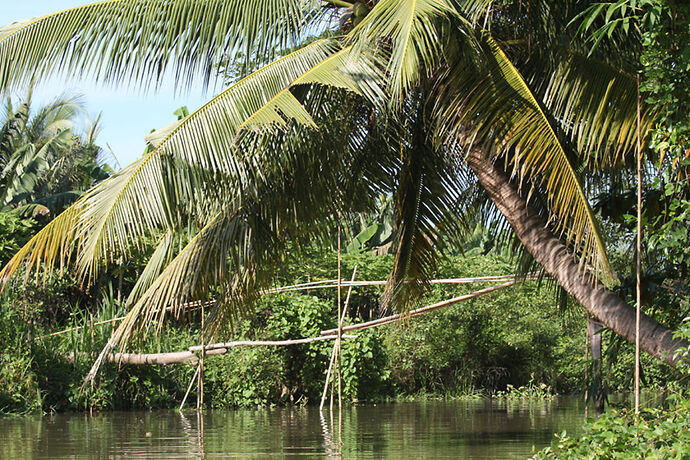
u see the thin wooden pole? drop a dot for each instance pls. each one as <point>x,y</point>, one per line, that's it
<point>342,318</point>
<point>220,348</point>
<point>189,388</point>
<point>334,283</point>
<point>328,379</point>
<point>420,311</point>
<point>639,254</point>
<point>200,392</point>
<point>93,340</point>
<point>338,341</point>
<point>271,343</point>
<point>330,407</point>
<point>587,367</point>
<point>191,306</point>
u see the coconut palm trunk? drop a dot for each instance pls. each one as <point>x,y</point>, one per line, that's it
<point>560,263</point>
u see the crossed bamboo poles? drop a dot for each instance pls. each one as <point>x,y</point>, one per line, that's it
<point>191,354</point>
<point>324,284</point>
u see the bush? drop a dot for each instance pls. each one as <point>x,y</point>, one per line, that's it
<point>656,433</point>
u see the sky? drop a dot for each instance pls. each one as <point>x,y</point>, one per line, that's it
<point>127,114</point>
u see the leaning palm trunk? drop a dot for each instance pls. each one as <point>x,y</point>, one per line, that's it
<point>559,262</point>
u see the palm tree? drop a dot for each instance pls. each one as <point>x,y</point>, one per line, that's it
<point>45,165</point>
<point>423,99</point>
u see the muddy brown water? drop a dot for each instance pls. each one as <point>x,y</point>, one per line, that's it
<point>486,429</point>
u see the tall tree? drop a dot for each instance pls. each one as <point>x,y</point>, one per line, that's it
<point>411,96</point>
<point>45,165</point>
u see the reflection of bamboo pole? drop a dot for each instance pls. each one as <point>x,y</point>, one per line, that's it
<point>328,440</point>
<point>639,255</point>
<point>330,365</point>
<point>420,311</point>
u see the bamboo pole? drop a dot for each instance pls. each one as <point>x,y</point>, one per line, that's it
<point>191,306</point>
<point>330,365</point>
<point>93,339</point>
<point>200,381</point>
<point>163,359</point>
<point>189,389</point>
<point>420,311</point>
<point>325,284</point>
<point>328,379</point>
<point>338,341</point>
<point>221,348</point>
<point>334,284</point>
<point>639,254</point>
<point>254,343</point>
<point>587,368</point>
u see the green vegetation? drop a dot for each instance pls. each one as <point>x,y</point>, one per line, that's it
<point>655,433</point>
<point>459,111</point>
<point>514,344</point>
<point>455,138</point>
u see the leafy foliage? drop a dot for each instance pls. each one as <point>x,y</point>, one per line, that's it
<point>655,433</point>
<point>389,108</point>
<point>45,164</point>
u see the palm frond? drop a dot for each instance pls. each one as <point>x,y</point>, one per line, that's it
<point>497,107</point>
<point>406,36</point>
<point>49,250</point>
<point>430,206</point>
<point>137,201</point>
<point>596,105</point>
<point>140,40</point>
<point>237,250</point>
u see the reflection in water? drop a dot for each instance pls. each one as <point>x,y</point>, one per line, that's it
<point>429,429</point>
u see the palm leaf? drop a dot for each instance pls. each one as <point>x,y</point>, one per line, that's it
<point>596,105</point>
<point>113,216</point>
<point>236,251</point>
<point>140,40</point>
<point>409,29</point>
<point>501,111</point>
<point>428,206</point>
<point>49,250</point>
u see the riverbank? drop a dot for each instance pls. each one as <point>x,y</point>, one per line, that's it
<point>517,337</point>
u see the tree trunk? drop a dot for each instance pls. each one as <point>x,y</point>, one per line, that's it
<point>555,258</point>
<point>599,393</point>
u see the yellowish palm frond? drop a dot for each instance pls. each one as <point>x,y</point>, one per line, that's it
<point>494,105</point>
<point>406,36</point>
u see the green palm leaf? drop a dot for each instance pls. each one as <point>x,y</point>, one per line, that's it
<point>501,111</point>
<point>140,40</point>
<point>49,250</point>
<point>413,37</point>
<point>428,212</point>
<point>596,105</point>
<point>236,251</point>
<point>135,202</point>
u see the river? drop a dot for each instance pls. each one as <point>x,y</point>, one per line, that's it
<point>477,429</point>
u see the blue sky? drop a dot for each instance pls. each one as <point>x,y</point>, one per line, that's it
<point>127,114</point>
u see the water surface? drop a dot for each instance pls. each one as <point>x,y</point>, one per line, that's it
<point>428,429</point>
